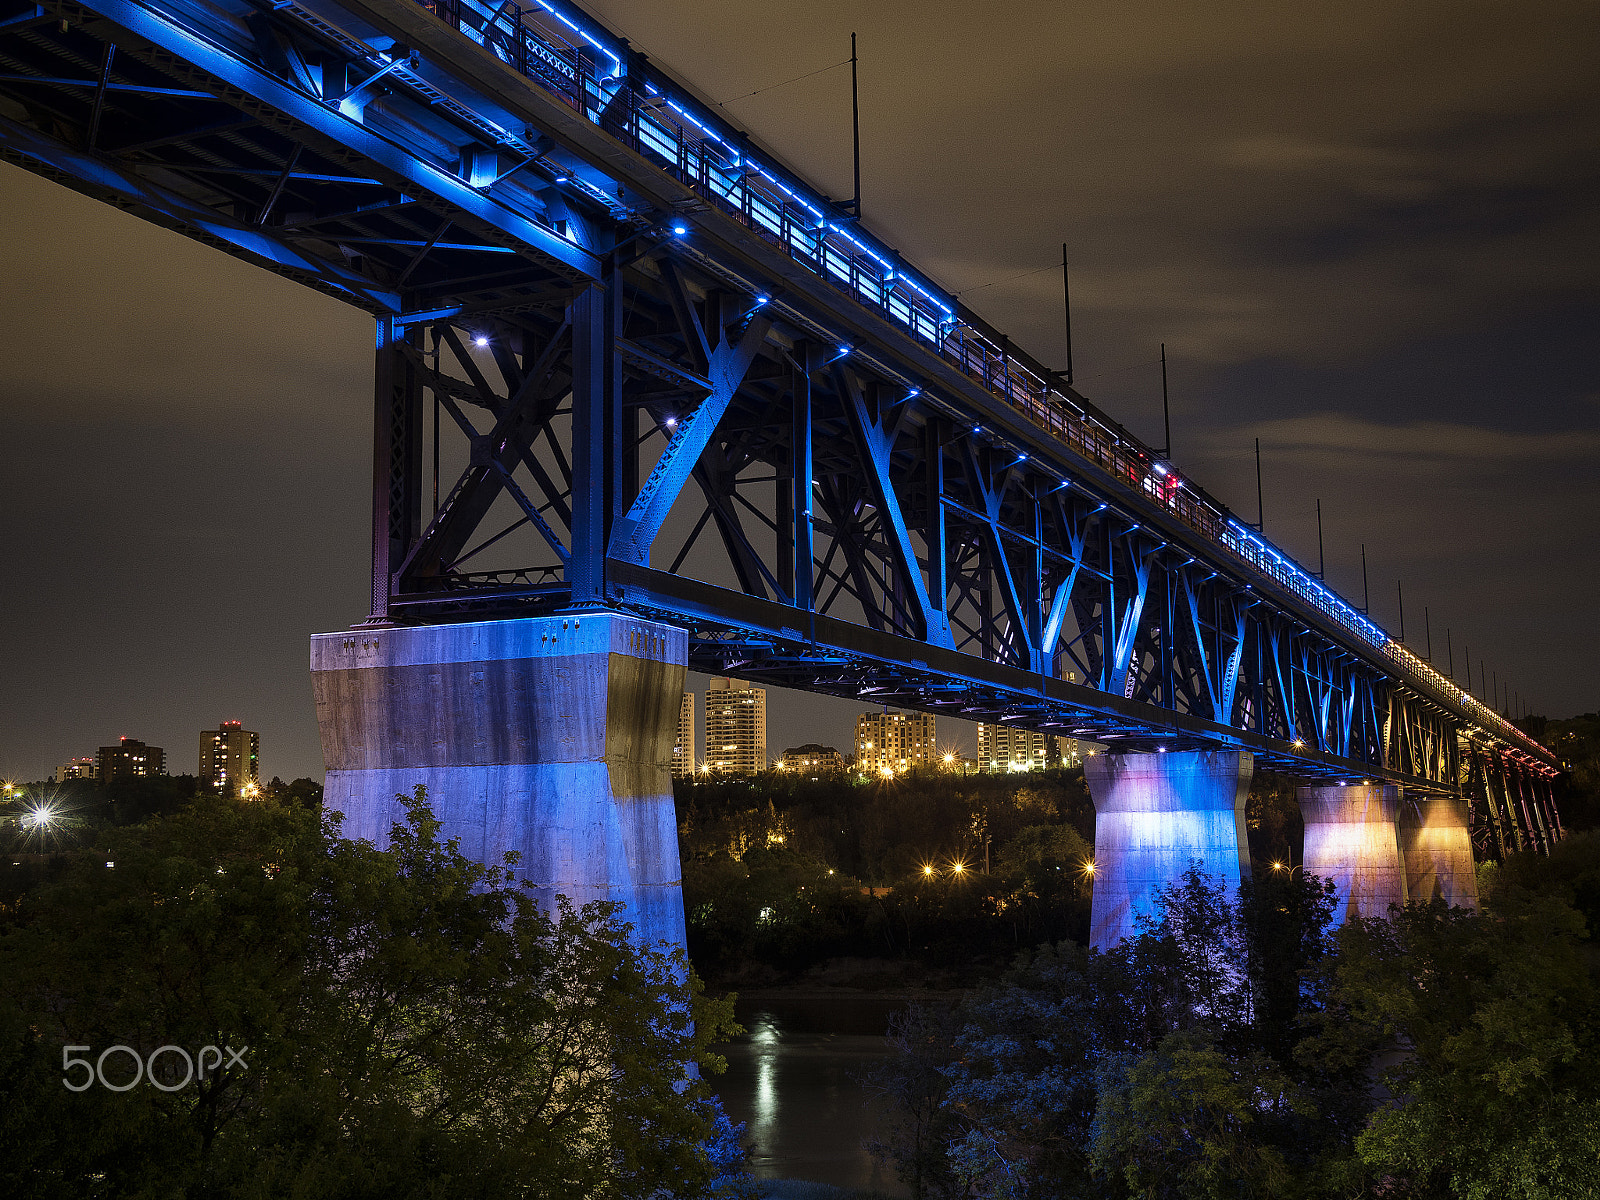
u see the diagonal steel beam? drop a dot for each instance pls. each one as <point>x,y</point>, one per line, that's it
<point>635,532</point>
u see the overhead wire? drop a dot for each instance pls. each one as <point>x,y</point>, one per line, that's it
<point>785,83</point>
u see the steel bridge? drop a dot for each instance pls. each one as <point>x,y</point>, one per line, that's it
<point>626,358</point>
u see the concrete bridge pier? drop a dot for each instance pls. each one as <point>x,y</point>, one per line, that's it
<point>549,736</point>
<point>1351,838</point>
<point>1154,815</point>
<point>1437,850</point>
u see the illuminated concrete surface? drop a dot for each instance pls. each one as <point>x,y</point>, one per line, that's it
<point>1154,815</point>
<point>1350,838</point>
<point>1437,850</point>
<point>550,736</point>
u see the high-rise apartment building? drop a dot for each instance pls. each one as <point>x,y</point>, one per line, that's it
<point>893,743</point>
<point>77,768</point>
<point>736,728</point>
<point>1009,748</point>
<point>683,749</point>
<point>131,758</point>
<point>230,758</point>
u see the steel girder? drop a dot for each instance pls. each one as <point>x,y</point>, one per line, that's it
<point>1512,802</point>
<point>703,428</point>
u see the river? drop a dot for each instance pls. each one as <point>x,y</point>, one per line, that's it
<point>795,1078</point>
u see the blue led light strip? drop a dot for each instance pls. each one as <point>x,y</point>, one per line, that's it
<point>679,136</point>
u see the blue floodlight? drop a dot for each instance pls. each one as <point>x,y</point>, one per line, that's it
<point>480,341</point>
<point>680,230</point>
<point>762,300</point>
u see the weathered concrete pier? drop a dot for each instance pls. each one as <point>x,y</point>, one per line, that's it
<point>549,736</point>
<point>1351,838</point>
<point>1155,814</point>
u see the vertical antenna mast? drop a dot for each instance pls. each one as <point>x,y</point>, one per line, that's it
<point>1261,520</point>
<point>1066,298</point>
<point>1166,417</point>
<point>1427,632</point>
<point>1366,600</point>
<point>1401,592</point>
<point>855,127</point>
<point>1322,566</point>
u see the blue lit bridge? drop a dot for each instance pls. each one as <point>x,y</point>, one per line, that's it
<point>645,395</point>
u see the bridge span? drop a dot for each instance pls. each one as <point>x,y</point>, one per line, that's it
<point>645,400</point>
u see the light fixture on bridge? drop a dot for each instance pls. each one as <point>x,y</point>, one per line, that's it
<point>680,230</point>
<point>671,422</point>
<point>480,341</point>
<point>763,301</point>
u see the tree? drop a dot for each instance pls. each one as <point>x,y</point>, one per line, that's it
<point>1191,1122</point>
<point>1159,1068</point>
<point>1488,1027</point>
<point>413,1025</point>
<point>915,1139</point>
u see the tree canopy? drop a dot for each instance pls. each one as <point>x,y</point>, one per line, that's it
<point>410,1024</point>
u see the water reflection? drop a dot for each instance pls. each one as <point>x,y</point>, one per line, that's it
<point>794,1078</point>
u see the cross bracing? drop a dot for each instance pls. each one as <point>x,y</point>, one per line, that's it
<point>627,358</point>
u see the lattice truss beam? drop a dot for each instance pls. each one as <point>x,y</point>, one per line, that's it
<point>736,449</point>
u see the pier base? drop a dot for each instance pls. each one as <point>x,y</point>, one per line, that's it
<point>1437,850</point>
<point>1154,815</point>
<point>1351,839</point>
<point>549,736</point>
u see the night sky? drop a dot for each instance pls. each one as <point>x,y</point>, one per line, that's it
<point>1369,234</point>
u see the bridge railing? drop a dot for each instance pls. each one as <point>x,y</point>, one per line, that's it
<point>554,49</point>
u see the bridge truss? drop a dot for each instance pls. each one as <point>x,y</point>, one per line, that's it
<point>624,358</point>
